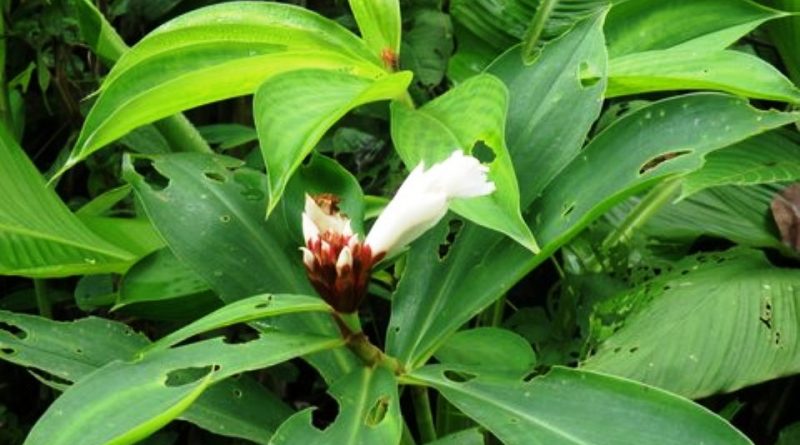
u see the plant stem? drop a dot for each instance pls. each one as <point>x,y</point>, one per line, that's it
<point>42,302</point>
<point>422,410</point>
<point>181,135</point>
<point>652,203</point>
<point>407,438</point>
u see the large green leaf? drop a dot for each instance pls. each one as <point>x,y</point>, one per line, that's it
<point>643,25</point>
<point>60,352</point>
<point>470,114</point>
<point>225,204</point>
<point>554,18</point>
<point>97,32</point>
<point>573,407</point>
<point>542,97</point>
<point>294,110</point>
<point>679,69</point>
<point>768,158</point>
<point>214,53</point>
<point>380,26</point>
<point>39,235</point>
<point>716,323</point>
<point>488,348</point>
<point>136,398</point>
<point>242,311</point>
<point>369,413</point>
<point>631,157</point>
<point>158,277</point>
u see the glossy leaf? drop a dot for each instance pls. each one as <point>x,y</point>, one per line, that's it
<point>39,235</point>
<point>369,413</point>
<point>716,323</point>
<point>294,110</point>
<point>675,69</point>
<point>97,32</point>
<point>470,117</point>
<point>689,127</point>
<point>196,59</point>
<point>242,311</point>
<point>136,398</point>
<point>784,33</point>
<point>380,26</point>
<point>546,409</point>
<point>426,309</point>
<point>768,158</point>
<point>488,348</point>
<point>225,203</point>
<point>643,25</point>
<point>59,352</point>
<point>467,437</point>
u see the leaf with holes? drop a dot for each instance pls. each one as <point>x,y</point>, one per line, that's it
<point>569,407</point>
<point>242,311</point>
<point>425,308</point>
<point>136,398</point>
<point>666,139</point>
<point>470,117</point>
<point>369,413</point>
<point>225,203</point>
<point>39,235</point>
<point>64,352</point>
<point>733,72</point>
<point>294,110</point>
<point>211,54</point>
<point>716,323</point>
<point>768,158</point>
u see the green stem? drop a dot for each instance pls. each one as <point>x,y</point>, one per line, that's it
<point>422,410</point>
<point>407,438</point>
<point>43,303</point>
<point>652,203</point>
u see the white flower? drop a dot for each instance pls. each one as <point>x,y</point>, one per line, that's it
<point>423,198</point>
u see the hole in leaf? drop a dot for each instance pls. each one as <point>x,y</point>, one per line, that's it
<point>214,176</point>
<point>661,159</point>
<point>154,178</point>
<point>633,349</point>
<point>47,377</point>
<point>529,376</point>
<point>14,330</point>
<point>378,411</point>
<point>567,210</point>
<point>458,376</point>
<point>453,228</point>
<point>186,376</point>
<point>326,412</point>
<point>237,393</point>
<point>262,306</point>
<point>8,351</point>
<point>588,75</point>
<point>483,152</point>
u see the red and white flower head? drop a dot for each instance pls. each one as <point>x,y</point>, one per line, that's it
<point>338,263</point>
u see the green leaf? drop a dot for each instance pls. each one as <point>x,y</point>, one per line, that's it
<point>66,350</point>
<point>70,351</point>
<point>785,33</point>
<point>136,398</point>
<point>573,407</point>
<point>211,54</point>
<point>470,117</point>
<point>294,110</point>
<point>380,26</point>
<point>427,45</point>
<point>665,139</point>
<point>225,203</point>
<point>39,235</point>
<point>767,158</point>
<point>740,214</point>
<point>158,277</point>
<point>103,203</point>
<point>672,336</point>
<point>97,32</point>
<point>679,69</point>
<point>369,413</point>
<point>242,311</point>
<point>544,95</point>
<point>488,349</point>
<point>643,25</point>
<point>228,136</point>
<point>471,436</point>
<point>553,18</point>
<point>789,435</point>
<point>135,235</point>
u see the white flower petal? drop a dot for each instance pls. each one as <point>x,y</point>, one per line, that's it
<point>345,260</point>
<point>423,198</point>
<point>310,230</point>
<point>308,258</point>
